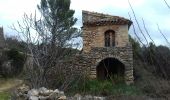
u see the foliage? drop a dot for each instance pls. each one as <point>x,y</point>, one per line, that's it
<point>18,60</point>
<point>51,43</point>
<point>149,83</point>
<point>157,57</point>
<point>58,20</point>
<point>135,46</point>
<point>12,63</point>
<point>154,58</point>
<point>116,79</point>
<point>104,88</point>
<point>4,96</point>
<point>13,42</point>
<point>151,69</point>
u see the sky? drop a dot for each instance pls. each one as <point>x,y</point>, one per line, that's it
<point>152,11</point>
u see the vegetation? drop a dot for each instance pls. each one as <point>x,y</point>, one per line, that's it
<point>13,42</point>
<point>55,31</point>
<point>4,96</point>
<point>104,88</point>
<point>6,87</point>
<point>151,69</point>
<point>11,63</point>
<point>53,35</point>
<point>154,58</point>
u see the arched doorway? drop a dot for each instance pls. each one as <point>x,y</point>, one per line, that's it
<point>110,67</point>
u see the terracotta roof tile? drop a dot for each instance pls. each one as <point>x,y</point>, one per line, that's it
<point>99,19</point>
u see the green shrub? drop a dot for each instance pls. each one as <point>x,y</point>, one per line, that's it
<point>4,96</point>
<point>104,88</point>
<point>117,79</point>
<point>17,60</point>
<point>11,63</point>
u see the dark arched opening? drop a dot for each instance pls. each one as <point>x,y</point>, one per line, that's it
<point>109,68</point>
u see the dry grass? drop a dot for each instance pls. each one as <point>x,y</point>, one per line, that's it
<point>7,84</point>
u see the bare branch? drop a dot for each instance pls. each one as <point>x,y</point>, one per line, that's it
<point>163,35</point>
<point>167,4</point>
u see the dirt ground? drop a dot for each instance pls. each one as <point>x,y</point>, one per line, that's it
<point>7,84</point>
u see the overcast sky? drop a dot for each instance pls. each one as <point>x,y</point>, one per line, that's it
<point>152,11</point>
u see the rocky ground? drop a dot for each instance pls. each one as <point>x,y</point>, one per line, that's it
<point>24,93</point>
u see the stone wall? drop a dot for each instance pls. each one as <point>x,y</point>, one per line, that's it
<point>87,62</point>
<point>123,54</point>
<point>94,51</point>
<point>94,36</point>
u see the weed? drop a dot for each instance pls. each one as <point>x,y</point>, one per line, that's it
<point>104,88</point>
<point>4,96</point>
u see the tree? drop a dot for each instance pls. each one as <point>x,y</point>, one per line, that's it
<point>48,46</point>
<point>136,47</point>
<point>57,20</point>
<point>14,43</point>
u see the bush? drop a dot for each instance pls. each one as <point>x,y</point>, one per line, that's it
<point>17,60</point>
<point>104,88</point>
<point>12,63</point>
<point>4,96</point>
<point>116,79</point>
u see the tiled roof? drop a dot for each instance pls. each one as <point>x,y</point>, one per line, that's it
<point>99,19</point>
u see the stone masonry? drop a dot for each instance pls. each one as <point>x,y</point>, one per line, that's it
<point>95,25</point>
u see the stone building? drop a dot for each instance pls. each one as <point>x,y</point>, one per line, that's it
<point>106,48</point>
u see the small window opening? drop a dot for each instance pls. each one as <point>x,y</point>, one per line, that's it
<point>109,38</point>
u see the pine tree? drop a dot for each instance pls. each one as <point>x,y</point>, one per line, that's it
<point>54,30</point>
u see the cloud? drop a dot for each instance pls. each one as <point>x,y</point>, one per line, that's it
<point>12,11</point>
<point>152,11</point>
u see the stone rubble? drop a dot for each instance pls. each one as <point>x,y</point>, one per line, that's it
<point>39,94</point>
<point>86,97</point>
<point>25,93</point>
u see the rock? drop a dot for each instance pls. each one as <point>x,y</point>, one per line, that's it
<point>98,98</point>
<point>33,92</point>
<point>51,91</point>
<point>77,96</point>
<point>56,94</point>
<point>88,97</point>
<point>61,92</point>
<point>33,98</point>
<point>43,98</point>
<point>56,91</point>
<point>62,98</point>
<point>23,89</point>
<point>39,94</point>
<point>44,92</point>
